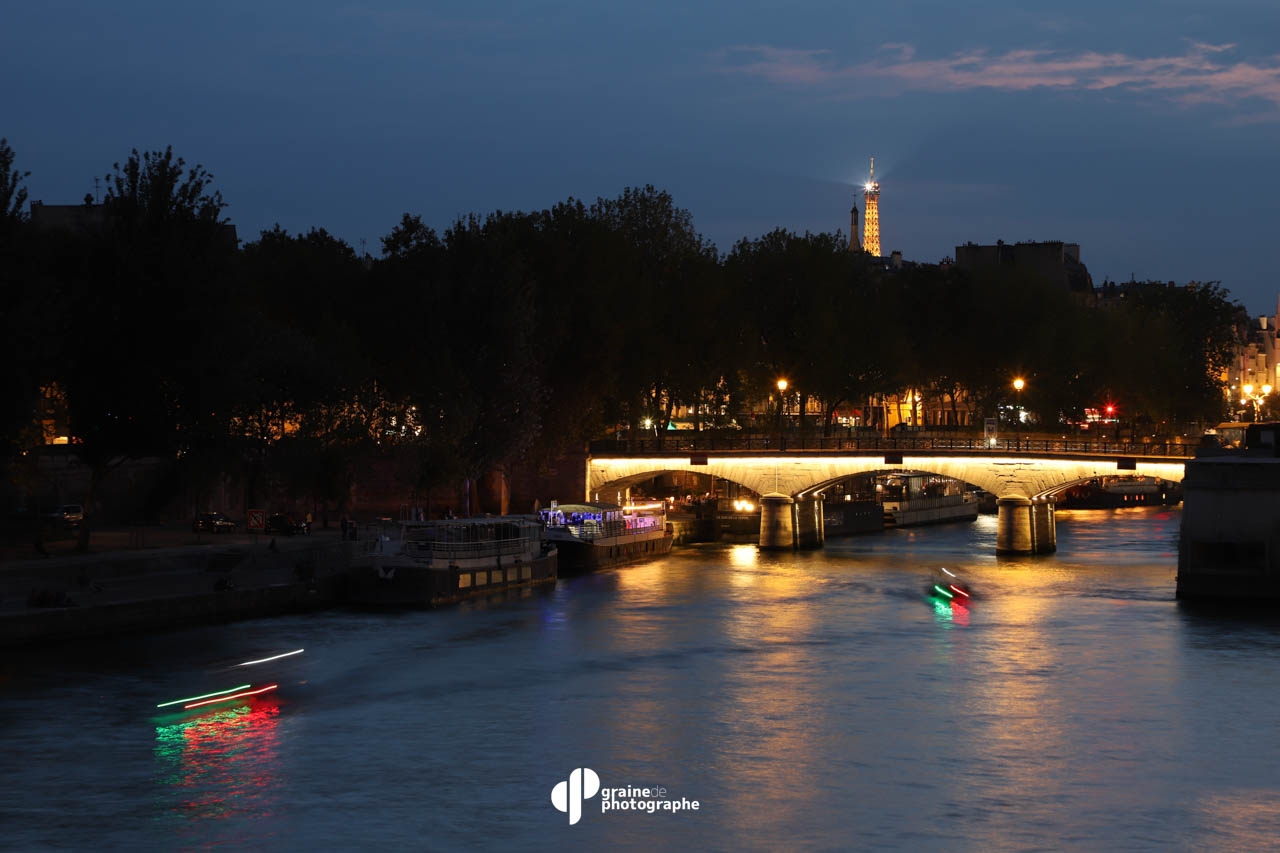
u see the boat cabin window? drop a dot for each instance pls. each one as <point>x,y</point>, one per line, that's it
<point>1230,435</point>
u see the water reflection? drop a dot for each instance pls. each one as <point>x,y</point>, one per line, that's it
<point>950,612</point>
<point>221,763</point>
<point>808,700</point>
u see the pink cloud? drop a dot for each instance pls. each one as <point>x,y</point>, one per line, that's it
<point>1202,74</point>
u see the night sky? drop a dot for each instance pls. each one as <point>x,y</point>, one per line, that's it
<point>1145,132</point>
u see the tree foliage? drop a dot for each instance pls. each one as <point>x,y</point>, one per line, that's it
<point>512,337</point>
<point>13,195</point>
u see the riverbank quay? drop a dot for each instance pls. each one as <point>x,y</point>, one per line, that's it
<point>1229,540</point>
<point>123,585</point>
<point>135,580</point>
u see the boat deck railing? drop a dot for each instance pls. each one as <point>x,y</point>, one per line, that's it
<point>445,551</point>
<point>899,504</point>
<point>387,537</point>
<point>592,530</point>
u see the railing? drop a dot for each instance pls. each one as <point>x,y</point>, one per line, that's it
<point>591,530</point>
<point>385,538</point>
<point>772,443</point>
<point>434,550</point>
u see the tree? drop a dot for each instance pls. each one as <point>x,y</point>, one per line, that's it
<point>659,253</point>
<point>805,296</point>
<point>24,328</point>
<point>13,196</point>
<point>1177,343</point>
<point>151,190</point>
<point>306,388</point>
<point>141,331</point>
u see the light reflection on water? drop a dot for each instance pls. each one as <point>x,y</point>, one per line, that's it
<point>220,763</point>
<point>817,699</point>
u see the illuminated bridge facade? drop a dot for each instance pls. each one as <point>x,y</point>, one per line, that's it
<point>1023,474</point>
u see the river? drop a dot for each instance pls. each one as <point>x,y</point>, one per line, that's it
<point>813,700</point>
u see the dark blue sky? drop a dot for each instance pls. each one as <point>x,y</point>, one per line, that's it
<point>1146,132</point>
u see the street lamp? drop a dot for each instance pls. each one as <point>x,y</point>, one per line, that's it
<point>782,390</point>
<point>1256,398</point>
<point>1018,385</point>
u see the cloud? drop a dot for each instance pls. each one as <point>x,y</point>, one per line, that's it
<point>1203,74</point>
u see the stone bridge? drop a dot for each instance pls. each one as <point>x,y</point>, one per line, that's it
<point>792,483</point>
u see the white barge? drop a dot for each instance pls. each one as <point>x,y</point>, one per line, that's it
<point>591,536</point>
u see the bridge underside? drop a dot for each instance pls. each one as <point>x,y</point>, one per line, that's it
<point>1021,484</point>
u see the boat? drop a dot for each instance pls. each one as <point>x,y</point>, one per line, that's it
<point>946,586</point>
<point>1120,493</point>
<point>908,500</point>
<point>592,536</point>
<point>427,563</point>
<point>237,682</point>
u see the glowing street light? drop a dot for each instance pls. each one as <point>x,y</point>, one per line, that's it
<point>1018,385</point>
<point>1257,398</point>
<point>782,390</point>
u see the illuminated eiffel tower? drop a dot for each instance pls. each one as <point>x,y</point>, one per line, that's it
<point>871,214</point>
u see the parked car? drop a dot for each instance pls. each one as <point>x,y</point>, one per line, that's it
<point>213,522</point>
<point>284,524</point>
<point>67,515</point>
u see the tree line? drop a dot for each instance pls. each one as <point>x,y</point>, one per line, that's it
<point>513,336</point>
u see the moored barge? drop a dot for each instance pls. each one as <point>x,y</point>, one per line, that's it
<point>442,562</point>
<point>592,536</point>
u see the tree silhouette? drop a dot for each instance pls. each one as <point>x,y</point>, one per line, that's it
<point>13,196</point>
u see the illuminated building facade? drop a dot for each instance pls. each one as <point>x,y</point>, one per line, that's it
<point>871,214</point>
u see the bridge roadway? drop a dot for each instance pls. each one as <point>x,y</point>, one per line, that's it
<point>1022,472</point>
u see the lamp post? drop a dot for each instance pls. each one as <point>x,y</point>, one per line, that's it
<point>1018,385</point>
<point>1257,398</point>
<point>782,390</point>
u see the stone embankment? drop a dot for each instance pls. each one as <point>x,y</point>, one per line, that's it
<point>150,579</point>
<point>132,581</point>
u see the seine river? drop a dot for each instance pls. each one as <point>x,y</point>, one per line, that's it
<point>807,701</point>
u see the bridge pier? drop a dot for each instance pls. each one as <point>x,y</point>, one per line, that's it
<point>777,522</point>
<point>1044,526</point>
<point>809,525</point>
<point>1024,526</point>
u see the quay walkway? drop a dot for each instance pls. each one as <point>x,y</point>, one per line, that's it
<point>147,578</point>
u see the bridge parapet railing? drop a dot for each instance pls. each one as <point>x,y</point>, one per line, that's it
<point>915,443</point>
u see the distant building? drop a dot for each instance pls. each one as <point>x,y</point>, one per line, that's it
<point>85,217</point>
<point>1056,262</point>
<point>89,218</point>
<point>1255,366</point>
<point>1111,293</point>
